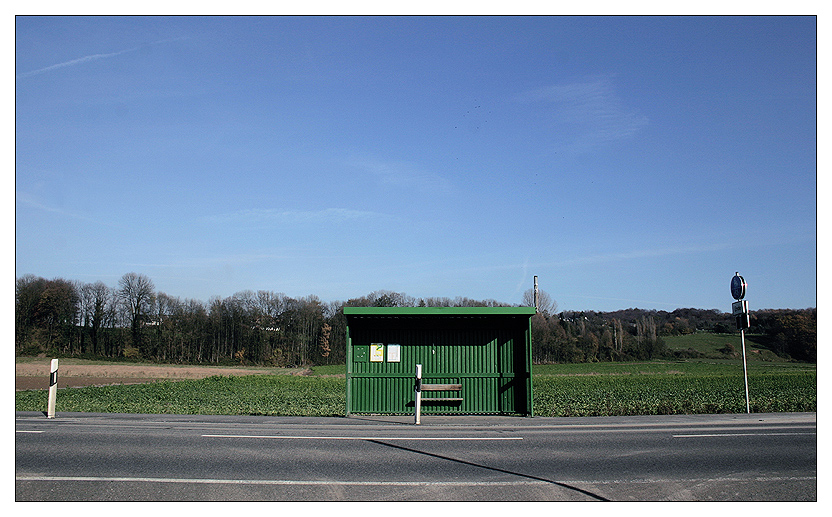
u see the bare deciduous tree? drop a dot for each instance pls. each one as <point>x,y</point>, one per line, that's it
<point>95,306</point>
<point>546,304</point>
<point>136,294</point>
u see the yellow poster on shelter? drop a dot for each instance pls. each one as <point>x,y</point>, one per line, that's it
<point>376,352</point>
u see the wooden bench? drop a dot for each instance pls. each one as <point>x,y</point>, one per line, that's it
<point>441,387</point>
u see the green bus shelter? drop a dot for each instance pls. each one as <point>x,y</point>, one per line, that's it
<point>474,360</point>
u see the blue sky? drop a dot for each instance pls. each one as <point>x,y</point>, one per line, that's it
<point>626,161</point>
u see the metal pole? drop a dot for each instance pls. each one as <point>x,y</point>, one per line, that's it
<point>418,393</point>
<point>745,371</point>
<point>53,389</point>
<point>536,295</point>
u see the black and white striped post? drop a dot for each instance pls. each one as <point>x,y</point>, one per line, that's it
<point>53,389</point>
<point>418,389</point>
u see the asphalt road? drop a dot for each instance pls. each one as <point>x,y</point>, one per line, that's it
<point>118,457</point>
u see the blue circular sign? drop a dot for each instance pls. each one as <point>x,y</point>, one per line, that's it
<point>738,286</point>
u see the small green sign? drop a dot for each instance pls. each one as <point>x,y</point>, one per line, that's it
<point>361,353</point>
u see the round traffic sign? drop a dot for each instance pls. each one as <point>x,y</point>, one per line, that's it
<point>738,286</point>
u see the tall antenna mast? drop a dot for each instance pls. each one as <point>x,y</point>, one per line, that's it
<point>536,295</point>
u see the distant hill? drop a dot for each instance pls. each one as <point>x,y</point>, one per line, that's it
<point>721,346</point>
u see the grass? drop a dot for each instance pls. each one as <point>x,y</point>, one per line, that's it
<point>332,369</point>
<point>590,389</point>
<point>711,344</point>
<point>690,367</point>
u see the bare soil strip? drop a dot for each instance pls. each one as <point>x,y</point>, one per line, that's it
<point>35,375</point>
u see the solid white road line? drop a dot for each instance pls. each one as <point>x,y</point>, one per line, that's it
<point>315,482</point>
<point>383,438</point>
<point>740,434</point>
<point>277,481</point>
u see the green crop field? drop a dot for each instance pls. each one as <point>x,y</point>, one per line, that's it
<point>661,394</point>
<point>590,389</point>
<point>672,387</point>
<point>217,395</point>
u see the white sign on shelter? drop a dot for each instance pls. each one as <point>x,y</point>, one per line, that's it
<point>394,353</point>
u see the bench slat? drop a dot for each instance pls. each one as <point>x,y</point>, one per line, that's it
<point>441,399</point>
<point>441,387</point>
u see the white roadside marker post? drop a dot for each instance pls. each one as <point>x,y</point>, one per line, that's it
<point>53,389</point>
<point>418,393</point>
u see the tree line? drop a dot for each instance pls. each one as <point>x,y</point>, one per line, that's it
<point>132,320</point>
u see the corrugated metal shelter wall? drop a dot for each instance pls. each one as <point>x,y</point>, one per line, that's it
<point>487,356</point>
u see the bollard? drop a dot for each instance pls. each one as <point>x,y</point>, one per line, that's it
<point>53,389</point>
<point>418,393</point>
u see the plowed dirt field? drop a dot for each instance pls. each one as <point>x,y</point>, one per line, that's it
<point>34,374</point>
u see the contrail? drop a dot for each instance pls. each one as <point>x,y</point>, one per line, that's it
<point>86,59</point>
<point>73,62</point>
